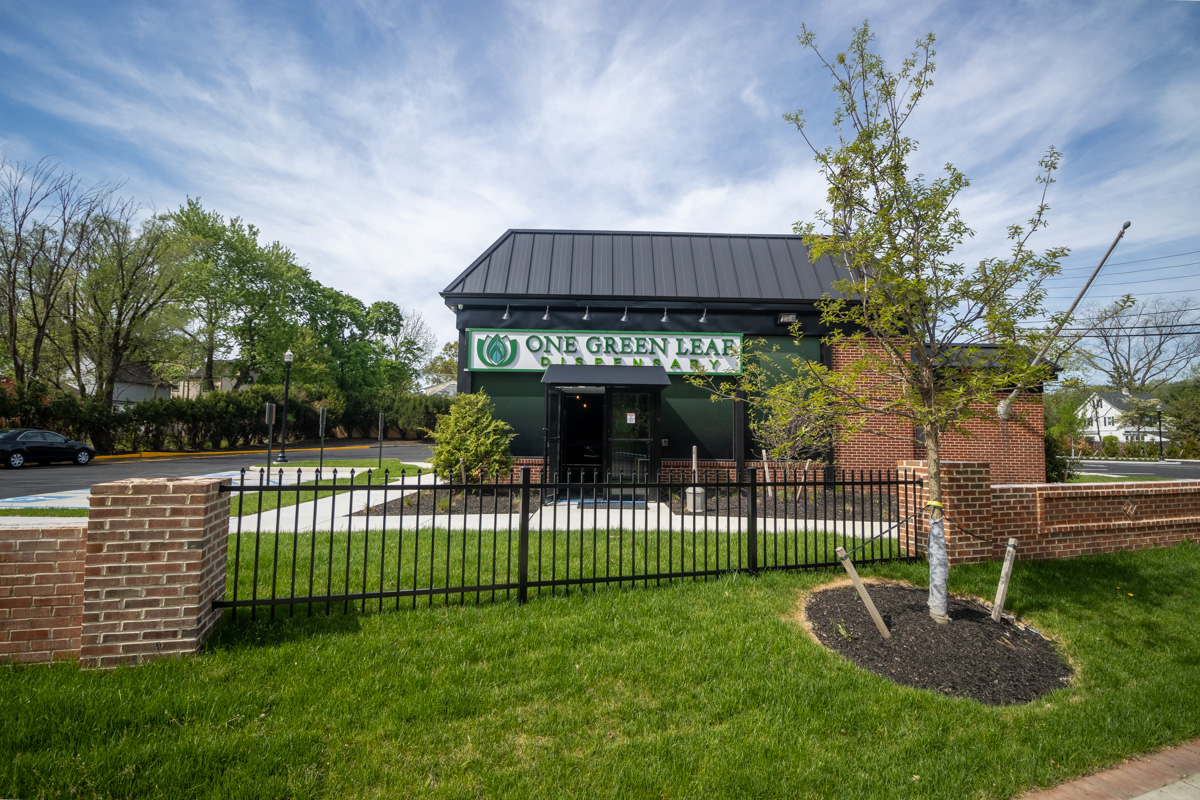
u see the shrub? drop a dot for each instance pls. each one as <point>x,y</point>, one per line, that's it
<point>1060,465</point>
<point>1112,447</point>
<point>472,436</point>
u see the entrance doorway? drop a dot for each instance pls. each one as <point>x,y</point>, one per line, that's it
<point>607,427</point>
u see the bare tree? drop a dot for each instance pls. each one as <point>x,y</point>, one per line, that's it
<point>1141,346</point>
<point>46,224</point>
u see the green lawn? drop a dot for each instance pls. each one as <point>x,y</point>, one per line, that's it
<point>315,564</point>
<point>364,473</point>
<point>43,512</point>
<point>1114,478</point>
<point>691,690</point>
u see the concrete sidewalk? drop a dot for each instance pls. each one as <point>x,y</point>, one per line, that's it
<point>1172,774</point>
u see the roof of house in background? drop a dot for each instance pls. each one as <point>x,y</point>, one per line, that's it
<point>1117,399</point>
<point>139,374</point>
<point>665,266</point>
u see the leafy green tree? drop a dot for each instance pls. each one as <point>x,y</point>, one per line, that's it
<point>1181,410</point>
<point>1140,412</point>
<point>126,298</point>
<point>243,294</point>
<point>1065,410</point>
<point>471,439</point>
<point>444,366</point>
<point>941,340</point>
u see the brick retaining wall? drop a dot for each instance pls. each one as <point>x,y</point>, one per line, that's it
<point>1057,520</point>
<point>137,583</point>
<point>41,592</point>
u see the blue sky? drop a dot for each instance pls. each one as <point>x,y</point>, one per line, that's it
<point>388,144</point>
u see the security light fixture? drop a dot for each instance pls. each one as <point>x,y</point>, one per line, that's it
<point>786,318</point>
<point>704,317</point>
<point>546,316</point>
<point>625,316</point>
<point>664,316</point>
<point>506,314</point>
<point>587,313</point>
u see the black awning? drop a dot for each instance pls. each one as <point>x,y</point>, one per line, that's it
<point>607,375</point>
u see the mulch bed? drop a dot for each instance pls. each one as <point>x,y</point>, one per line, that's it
<point>471,501</point>
<point>972,656</point>
<point>813,504</point>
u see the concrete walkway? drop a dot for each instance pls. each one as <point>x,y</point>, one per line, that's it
<point>1172,774</point>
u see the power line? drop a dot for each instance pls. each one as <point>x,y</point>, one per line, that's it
<point>1110,273</point>
<point>1137,261</point>
<point>1142,313</point>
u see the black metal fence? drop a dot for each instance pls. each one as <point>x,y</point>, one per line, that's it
<point>368,540</point>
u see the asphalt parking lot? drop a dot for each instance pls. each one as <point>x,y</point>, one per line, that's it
<point>36,479</point>
<point>1173,470</point>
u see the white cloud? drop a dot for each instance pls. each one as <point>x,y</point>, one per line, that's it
<point>389,145</point>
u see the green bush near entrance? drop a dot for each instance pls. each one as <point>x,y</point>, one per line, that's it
<point>471,440</point>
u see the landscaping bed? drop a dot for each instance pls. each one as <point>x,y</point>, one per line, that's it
<point>998,663</point>
<point>472,500</point>
<point>798,504</point>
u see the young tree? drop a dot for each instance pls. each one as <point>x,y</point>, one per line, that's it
<point>1140,412</point>
<point>939,340</point>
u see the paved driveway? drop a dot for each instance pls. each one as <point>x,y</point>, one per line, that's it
<point>1174,470</point>
<point>38,480</point>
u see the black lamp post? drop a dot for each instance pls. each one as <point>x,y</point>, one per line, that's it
<point>287,385</point>
<point>1160,444</point>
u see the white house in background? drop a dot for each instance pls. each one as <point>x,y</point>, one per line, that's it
<point>223,380</point>
<point>446,389</point>
<point>1102,410</point>
<point>137,383</point>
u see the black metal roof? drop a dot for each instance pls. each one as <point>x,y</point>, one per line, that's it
<point>636,265</point>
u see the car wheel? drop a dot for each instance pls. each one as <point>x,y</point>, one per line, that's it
<point>15,460</point>
<point>83,457</point>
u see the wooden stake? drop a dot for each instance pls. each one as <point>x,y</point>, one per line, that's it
<point>1010,555</point>
<point>862,592</point>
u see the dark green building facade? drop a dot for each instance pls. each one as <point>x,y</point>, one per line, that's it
<point>584,339</point>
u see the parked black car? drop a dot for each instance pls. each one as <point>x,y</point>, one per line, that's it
<point>19,445</point>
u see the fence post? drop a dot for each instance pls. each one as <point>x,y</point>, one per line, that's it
<point>752,526</point>
<point>523,546</point>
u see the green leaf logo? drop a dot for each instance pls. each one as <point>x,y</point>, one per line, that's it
<point>497,351</point>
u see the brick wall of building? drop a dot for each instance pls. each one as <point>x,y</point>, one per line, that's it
<point>1015,448</point>
<point>41,592</point>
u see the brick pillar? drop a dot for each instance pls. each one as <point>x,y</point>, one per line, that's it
<point>967,502</point>
<point>41,592</point>
<point>155,563</point>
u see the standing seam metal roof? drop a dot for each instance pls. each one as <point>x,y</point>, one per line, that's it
<point>667,266</point>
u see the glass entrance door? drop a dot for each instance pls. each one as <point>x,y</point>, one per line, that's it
<point>631,428</point>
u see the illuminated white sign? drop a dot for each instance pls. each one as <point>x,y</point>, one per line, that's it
<point>533,351</point>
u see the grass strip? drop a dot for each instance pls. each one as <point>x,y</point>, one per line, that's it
<point>256,501</point>
<point>323,564</point>
<point>1114,478</point>
<point>690,690</point>
<point>43,512</point>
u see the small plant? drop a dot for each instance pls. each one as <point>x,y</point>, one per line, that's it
<point>470,439</point>
<point>1112,447</point>
<point>841,630</point>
